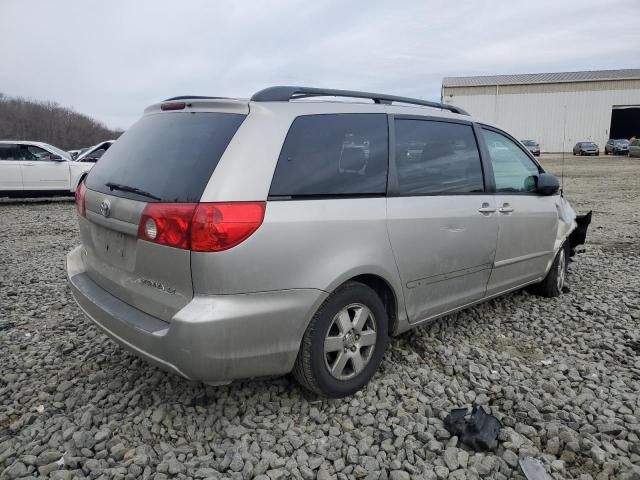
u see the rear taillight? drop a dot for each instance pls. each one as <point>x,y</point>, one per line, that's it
<point>220,226</point>
<point>81,191</point>
<point>167,224</point>
<point>200,227</point>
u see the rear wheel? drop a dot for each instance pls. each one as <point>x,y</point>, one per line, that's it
<point>555,280</point>
<point>344,343</point>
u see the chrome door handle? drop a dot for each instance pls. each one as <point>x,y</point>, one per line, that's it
<point>486,208</point>
<point>28,164</point>
<point>505,208</point>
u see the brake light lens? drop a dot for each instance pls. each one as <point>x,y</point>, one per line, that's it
<point>221,226</point>
<point>173,106</point>
<point>81,191</point>
<point>167,224</point>
<point>200,227</point>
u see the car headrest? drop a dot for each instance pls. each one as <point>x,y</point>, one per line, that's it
<point>353,159</point>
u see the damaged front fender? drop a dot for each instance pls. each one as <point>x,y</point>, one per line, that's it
<point>579,234</point>
<point>572,228</point>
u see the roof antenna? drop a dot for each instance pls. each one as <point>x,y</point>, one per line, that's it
<point>564,142</point>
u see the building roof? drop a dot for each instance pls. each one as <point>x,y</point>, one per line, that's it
<point>529,78</point>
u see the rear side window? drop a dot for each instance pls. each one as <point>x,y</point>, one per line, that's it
<point>9,152</point>
<point>334,154</point>
<point>436,158</point>
<point>166,157</point>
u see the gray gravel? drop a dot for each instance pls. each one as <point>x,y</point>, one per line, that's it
<point>563,375</point>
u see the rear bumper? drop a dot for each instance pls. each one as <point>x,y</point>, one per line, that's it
<point>214,338</point>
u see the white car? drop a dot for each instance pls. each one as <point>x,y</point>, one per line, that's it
<point>36,167</point>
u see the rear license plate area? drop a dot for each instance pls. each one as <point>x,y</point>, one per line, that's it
<point>110,245</point>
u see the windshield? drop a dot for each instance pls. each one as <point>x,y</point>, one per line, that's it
<point>529,143</point>
<point>621,142</point>
<point>167,157</point>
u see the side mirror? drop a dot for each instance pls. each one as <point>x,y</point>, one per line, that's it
<point>547,184</point>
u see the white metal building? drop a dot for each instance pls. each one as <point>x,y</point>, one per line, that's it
<point>555,109</point>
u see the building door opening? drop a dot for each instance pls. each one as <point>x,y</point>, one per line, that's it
<point>625,122</point>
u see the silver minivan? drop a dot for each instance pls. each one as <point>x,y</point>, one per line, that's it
<point>227,238</point>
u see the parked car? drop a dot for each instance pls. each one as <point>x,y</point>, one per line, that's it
<point>532,146</point>
<point>617,147</point>
<point>586,148</point>
<point>29,168</point>
<point>74,153</point>
<point>227,238</point>
<point>93,154</point>
<point>634,148</point>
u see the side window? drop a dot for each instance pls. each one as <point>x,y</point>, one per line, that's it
<point>9,152</point>
<point>37,153</point>
<point>335,154</point>
<point>514,171</point>
<point>436,158</point>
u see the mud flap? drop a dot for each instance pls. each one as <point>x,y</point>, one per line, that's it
<point>579,235</point>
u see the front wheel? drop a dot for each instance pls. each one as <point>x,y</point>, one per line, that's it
<point>555,280</point>
<point>344,342</point>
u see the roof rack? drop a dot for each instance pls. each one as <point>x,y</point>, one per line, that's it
<point>284,94</point>
<point>193,97</point>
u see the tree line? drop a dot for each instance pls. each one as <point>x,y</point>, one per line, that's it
<point>49,122</point>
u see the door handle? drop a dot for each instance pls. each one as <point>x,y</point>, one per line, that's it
<point>28,164</point>
<point>505,208</point>
<point>486,208</point>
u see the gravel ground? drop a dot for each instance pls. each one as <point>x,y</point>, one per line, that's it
<point>562,374</point>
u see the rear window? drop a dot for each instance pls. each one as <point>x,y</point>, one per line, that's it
<point>333,154</point>
<point>167,157</point>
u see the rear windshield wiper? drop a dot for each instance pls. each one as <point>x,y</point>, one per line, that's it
<point>126,188</point>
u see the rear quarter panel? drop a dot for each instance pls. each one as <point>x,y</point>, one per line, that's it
<point>317,244</point>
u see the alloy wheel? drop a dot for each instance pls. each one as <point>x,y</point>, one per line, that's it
<point>562,270</point>
<point>350,341</point>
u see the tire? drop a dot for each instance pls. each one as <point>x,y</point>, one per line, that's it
<point>555,280</point>
<point>313,365</point>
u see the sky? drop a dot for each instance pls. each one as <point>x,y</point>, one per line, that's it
<point>110,59</point>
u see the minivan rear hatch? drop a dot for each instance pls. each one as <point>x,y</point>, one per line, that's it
<point>167,158</point>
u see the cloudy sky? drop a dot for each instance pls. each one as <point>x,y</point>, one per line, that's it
<point>110,59</point>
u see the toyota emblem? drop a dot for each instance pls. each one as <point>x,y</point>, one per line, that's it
<point>105,207</point>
